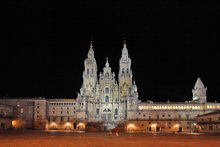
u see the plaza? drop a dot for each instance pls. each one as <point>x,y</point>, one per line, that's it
<point>102,139</point>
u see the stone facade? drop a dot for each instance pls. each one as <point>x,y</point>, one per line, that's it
<point>106,99</point>
<point>6,116</point>
<point>107,102</point>
<point>209,122</point>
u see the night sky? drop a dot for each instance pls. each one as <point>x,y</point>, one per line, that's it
<point>170,42</point>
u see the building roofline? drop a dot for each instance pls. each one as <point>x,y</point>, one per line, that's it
<point>210,113</point>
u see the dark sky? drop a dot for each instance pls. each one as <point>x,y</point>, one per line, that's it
<point>171,43</point>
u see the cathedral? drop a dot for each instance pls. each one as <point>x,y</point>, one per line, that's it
<point>107,98</point>
<point>106,102</point>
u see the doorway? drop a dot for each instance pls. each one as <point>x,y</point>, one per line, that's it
<point>158,129</point>
<point>180,129</point>
<point>74,125</point>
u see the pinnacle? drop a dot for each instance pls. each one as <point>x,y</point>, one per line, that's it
<point>199,84</point>
<point>106,64</point>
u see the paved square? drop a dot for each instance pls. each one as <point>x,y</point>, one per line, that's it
<point>75,139</point>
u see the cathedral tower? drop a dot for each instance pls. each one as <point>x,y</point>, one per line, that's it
<point>89,73</point>
<point>199,92</point>
<point>125,73</point>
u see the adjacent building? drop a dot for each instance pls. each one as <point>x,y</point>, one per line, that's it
<point>209,122</point>
<point>106,102</point>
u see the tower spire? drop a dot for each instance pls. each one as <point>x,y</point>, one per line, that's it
<point>91,51</point>
<point>199,84</point>
<point>199,92</point>
<point>91,46</point>
<point>125,46</point>
<point>106,64</point>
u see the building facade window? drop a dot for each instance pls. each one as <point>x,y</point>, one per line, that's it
<point>116,111</point>
<point>97,111</point>
<point>107,90</point>
<point>106,98</point>
<point>61,119</point>
<point>22,110</point>
<point>187,116</point>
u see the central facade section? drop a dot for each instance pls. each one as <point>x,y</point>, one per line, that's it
<point>103,98</point>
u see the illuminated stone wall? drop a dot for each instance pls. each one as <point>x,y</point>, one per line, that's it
<point>209,122</point>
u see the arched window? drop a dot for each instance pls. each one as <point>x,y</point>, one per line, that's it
<point>123,70</point>
<point>127,70</point>
<point>106,98</point>
<point>107,90</point>
<point>92,70</point>
<point>97,111</point>
<point>87,71</point>
<point>116,111</point>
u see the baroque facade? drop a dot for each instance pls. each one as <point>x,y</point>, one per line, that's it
<point>109,102</point>
<point>107,99</point>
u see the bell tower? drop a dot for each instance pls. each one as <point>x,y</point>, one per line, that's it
<point>199,92</point>
<point>125,72</point>
<point>89,73</point>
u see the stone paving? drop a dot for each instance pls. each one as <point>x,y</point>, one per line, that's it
<point>102,139</point>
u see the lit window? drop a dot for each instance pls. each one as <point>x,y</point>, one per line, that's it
<point>22,110</point>
<point>18,104</point>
